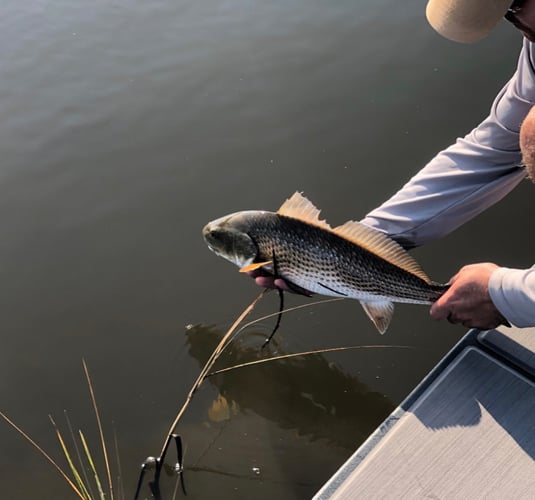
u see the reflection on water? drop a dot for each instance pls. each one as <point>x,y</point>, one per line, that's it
<point>308,394</point>
<point>272,423</point>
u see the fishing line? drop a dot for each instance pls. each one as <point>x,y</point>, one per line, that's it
<point>280,291</point>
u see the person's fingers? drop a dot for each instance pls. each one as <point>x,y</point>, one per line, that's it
<point>441,308</point>
<point>452,319</point>
<point>455,277</point>
<point>280,283</point>
<point>265,282</point>
<point>256,273</point>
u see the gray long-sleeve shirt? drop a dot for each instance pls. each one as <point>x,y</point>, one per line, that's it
<point>467,178</point>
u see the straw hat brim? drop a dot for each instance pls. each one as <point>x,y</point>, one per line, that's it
<point>465,20</point>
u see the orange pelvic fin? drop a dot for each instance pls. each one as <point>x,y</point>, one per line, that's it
<point>254,266</point>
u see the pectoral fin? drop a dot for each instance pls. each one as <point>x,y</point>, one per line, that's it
<point>380,313</point>
<point>254,266</point>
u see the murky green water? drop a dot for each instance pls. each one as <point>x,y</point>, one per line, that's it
<point>125,127</point>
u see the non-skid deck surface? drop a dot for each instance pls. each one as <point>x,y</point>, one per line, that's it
<point>469,434</point>
<point>515,344</point>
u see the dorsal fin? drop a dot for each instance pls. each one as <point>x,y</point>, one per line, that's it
<point>299,207</point>
<point>380,244</point>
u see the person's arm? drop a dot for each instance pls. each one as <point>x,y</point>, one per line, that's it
<point>458,184</point>
<point>469,176</point>
<point>513,293</point>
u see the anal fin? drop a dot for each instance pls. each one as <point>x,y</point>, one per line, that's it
<point>380,312</point>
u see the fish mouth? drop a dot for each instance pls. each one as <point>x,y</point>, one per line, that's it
<point>206,231</point>
<point>213,237</point>
<point>212,241</point>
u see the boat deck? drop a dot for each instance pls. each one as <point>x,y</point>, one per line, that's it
<point>467,431</point>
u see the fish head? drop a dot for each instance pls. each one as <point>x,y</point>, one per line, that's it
<point>228,238</point>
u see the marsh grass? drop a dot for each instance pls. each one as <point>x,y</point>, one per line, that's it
<point>81,460</point>
<point>81,473</point>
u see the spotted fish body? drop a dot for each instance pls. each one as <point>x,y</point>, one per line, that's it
<point>351,260</point>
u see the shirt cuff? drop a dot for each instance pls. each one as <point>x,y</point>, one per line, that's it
<point>513,293</point>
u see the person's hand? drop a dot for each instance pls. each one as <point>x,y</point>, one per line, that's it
<point>267,280</point>
<point>467,301</point>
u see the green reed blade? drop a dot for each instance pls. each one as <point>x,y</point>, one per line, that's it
<point>92,465</point>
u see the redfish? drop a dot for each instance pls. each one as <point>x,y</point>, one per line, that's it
<point>351,260</point>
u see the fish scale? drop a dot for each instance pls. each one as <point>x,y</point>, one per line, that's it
<point>308,257</point>
<point>352,260</point>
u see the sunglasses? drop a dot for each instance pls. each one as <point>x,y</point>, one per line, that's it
<point>522,15</point>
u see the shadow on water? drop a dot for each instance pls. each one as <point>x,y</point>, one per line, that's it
<point>308,394</point>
